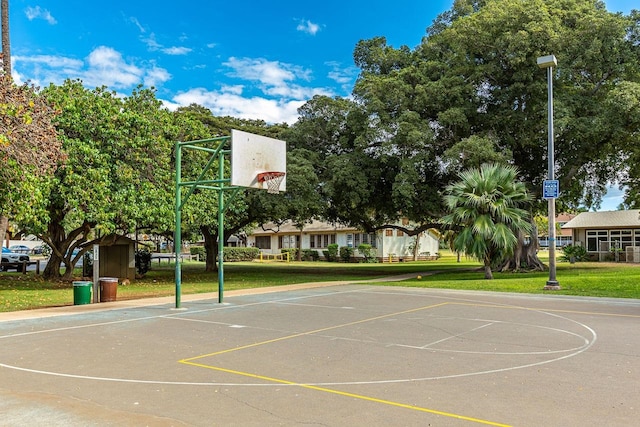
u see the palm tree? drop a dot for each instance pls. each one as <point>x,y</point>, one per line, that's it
<point>486,205</point>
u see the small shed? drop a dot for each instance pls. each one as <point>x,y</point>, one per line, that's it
<point>117,257</point>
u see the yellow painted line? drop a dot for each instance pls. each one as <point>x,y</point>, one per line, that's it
<point>288,337</point>
<point>549,310</point>
<point>352,395</point>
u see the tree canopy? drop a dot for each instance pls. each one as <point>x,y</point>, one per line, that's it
<point>118,173</point>
<point>475,76</point>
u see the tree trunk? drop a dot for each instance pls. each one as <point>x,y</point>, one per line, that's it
<point>487,269</point>
<point>62,245</point>
<point>525,255</point>
<point>211,249</point>
<point>416,248</point>
<point>4,224</point>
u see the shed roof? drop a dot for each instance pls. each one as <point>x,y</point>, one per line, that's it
<point>606,219</point>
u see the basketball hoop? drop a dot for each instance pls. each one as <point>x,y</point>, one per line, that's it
<point>273,180</point>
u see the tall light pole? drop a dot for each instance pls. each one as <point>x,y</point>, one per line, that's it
<point>551,190</point>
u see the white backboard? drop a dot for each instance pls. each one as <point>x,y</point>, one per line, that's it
<point>252,154</point>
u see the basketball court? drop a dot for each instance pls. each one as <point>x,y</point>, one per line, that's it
<point>348,354</point>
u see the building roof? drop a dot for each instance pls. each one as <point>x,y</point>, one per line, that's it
<point>606,219</point>
<point>313,227</point>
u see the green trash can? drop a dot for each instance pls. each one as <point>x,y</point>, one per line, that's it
<point>82,292</point>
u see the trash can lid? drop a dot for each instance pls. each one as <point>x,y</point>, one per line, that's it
<point>82,283</point>
<point>108,279</point>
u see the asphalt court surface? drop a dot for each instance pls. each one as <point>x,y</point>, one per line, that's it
<point>333,356</point>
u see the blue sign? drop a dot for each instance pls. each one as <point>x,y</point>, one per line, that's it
<point>550,189</point>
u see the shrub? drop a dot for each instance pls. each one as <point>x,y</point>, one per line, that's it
<point>346,253</point>
<point>143,261</point>
<point>240,254</point>
<point>293,253</point>
<point>368,253</point>
<point>87,264</point>
<point>200,251</point>
<point>575,253</point>
<point>310,255</point>
<point>331,254</point>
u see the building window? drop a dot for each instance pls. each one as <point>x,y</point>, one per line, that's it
<point>286,242</point>
<point>388,232</point>
<point>620,239</point>
<point>364,238</point>
<point>350,240</point>
<point>597,241</point>
<point>399,233</point>
<point>263,242</point>
<point>320,241</point>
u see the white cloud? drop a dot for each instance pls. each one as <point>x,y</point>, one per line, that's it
<point>269,91</point>
<point>39,13</point>
<point>271,73</point>
<point>108,67</point>
<point>156,76</point>
<point>151,42</point>
<point>137,23</point>
<point>274,78</point>
<point>50,61</point>
<point>175,50</point>
<point>103,66</point>
<point>153,45</point>
<point>232,103</point>
<point>236,89</point>
<point>308,27</point>
<point>344,76</point>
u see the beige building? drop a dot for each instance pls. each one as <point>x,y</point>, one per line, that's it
<point>318,235</point>
<point>609,235</point>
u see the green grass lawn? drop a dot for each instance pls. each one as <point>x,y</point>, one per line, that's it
<point>27,291</point>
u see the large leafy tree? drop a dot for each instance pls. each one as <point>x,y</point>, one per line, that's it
<point>492,47</point>
<point>474,79</point>
<point>366,179</point>
<point>118,174</point>
<point>489,204</point>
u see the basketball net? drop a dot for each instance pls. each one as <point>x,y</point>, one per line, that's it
<point>273,181</point>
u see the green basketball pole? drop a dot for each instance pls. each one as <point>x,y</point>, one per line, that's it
<point>215,184</point>
<point>220,229</point>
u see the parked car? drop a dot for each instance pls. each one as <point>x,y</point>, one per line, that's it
<point>20,249</point>
<point>11,259</point>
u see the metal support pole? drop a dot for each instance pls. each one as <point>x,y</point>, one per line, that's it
<point>552,283</point>
<point>96,273</point>
<point>177,236</point>
<point>220,229</point>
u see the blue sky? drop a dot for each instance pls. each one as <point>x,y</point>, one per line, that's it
<point>249,59</point>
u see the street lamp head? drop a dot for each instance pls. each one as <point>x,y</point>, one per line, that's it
<point>547,61</point>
